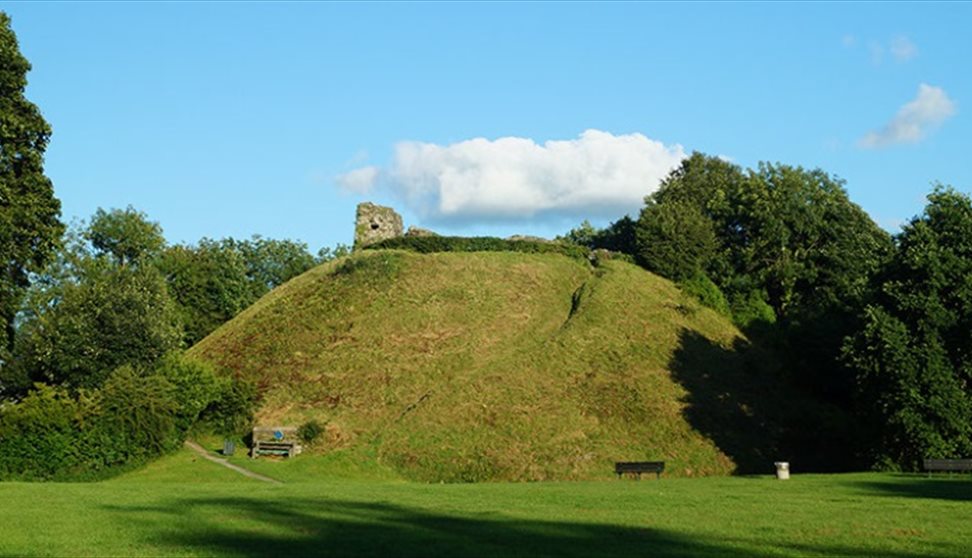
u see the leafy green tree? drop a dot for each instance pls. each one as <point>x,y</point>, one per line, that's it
<point>126,235</point>
<point>88,314</point>
<point>209,283</point>
<point>110,317</point>
<point>913,355</point>
<point>30,224</point>
<point>675,240</point>
<point>271,263</point>
<point>786,231</point>
<point>793,256</point>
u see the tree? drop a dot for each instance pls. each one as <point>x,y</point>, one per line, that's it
<point>790,233</point>
<point>209,283</point>
<point>109,317</point>
<point>126,235</point>
<point>674,240</point>
<point>793,256</point>
<point>619,236</point>
<point>913,356</point>
<point>89,313</point>
<point>271,263</point>
<point>30,224</point>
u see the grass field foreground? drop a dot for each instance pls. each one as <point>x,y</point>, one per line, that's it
<point>219,513</point>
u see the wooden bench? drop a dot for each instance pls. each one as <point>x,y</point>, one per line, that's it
<point>638,467</point>
<point>275,440</point>
<point>950,465</point>
<point>286,449</point>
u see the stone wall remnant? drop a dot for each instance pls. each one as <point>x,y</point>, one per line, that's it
<point>375,223</point>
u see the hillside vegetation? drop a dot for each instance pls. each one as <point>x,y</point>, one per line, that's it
<point>499,365</point>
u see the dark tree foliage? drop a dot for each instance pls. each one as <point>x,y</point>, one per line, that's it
<point>55,433</point>
<point>30,224</point>
<point>913,356</point>
<point>788,239</point>
<point>328,253</point>
<point>674,240</point>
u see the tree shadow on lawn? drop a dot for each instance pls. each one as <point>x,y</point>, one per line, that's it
<point>739,398</point>
<point>937,487</point>
<point>303,527</point>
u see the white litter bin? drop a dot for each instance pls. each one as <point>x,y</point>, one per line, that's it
<point>782,470</point>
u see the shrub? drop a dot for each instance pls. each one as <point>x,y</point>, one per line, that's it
<point>750,309</point>
<point>707,292</point>
<point>433,244</point>
<point>231,413</point>
<point>310,431</point>
<point>39,436</point>
<point>56,434</point>
<point>139,413</point>
<point>195,387</point>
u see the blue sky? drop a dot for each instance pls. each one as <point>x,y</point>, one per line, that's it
<point>229,119</point>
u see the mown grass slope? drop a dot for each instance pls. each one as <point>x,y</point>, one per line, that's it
<point>504,366</point>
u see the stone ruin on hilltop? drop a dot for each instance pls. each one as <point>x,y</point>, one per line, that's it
<point>375,223</point>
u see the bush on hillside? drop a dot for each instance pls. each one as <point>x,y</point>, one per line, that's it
<point>750,309</point>
<point>231,412</point>
<point>433,244</point>
<point>708,293</point>
<point>310,431</point>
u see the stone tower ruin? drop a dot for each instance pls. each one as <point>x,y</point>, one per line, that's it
<point>375,223</point>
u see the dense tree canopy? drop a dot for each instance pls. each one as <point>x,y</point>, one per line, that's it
<point>209,283</point>
<point>93,317</point>
<point>913,355</point>
<point>790,233</point>
<point>30,224</point>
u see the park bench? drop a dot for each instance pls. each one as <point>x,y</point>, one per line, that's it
<point>950,465</point>
<point>286,449</point>
<point>638,467</point>
<point>275,440</point>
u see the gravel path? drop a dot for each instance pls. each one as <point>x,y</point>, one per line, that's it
<point>220,461</point>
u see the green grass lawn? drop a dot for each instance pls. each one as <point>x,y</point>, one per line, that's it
<point>183,505</point>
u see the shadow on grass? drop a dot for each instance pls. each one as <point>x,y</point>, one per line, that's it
<point>304,527</point>
<point>939,486</point>
<point>740,400</point>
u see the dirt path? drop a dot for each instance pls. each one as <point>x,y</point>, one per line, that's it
<point>220,461</point>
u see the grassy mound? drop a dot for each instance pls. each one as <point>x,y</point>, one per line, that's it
<point>504,366</point>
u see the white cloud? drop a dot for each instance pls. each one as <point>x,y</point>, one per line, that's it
<point>902,49</point>
<point>510,178</point>
<point>914,120</point>
<point>358,181</point>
